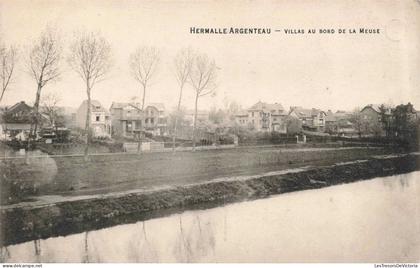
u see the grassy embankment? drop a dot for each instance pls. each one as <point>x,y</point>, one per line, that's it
<point>29,222</point>
<point>120,172</point>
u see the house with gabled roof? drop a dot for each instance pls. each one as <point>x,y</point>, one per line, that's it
<point>339,123</point>
<point>16,119</point>
<point>241,118</point>
<point>264,116</point>
<point>155,118</point>
<point>127,118</point>
<point>373,112</point>
<point>312,119</point>
<point>100,121</point>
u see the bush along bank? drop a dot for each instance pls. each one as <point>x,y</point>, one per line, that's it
<point>21,224</point>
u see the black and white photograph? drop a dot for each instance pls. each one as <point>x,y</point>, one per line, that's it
<point>221,132</point>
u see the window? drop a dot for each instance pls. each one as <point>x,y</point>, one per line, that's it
<point>252,114</point>
<point>97,118</point>
<point>147,120</point>
<point>151,120</point>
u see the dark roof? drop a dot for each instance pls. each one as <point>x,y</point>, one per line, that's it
<point>261,106</point>
<point>118,105</point>
<point>121,105</point>
<point>159,106</point>
<point>96,106</point>
<point>377,108</point>
<point>18,113</point>
<point>18,106</point>
<point>306,113</point>
<point>338,116</point>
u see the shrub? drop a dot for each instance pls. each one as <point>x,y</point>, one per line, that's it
<point>13,187</point>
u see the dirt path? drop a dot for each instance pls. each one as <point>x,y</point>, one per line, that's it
<point>233,175</point>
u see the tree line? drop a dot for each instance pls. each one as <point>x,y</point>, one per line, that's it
<point>89,55</point>
<point>401,123</point>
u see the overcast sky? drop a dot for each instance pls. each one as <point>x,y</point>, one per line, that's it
<point>319,71</point>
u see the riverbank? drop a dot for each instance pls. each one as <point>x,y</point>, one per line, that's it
<point>107,173</point>
<point>24,222</point>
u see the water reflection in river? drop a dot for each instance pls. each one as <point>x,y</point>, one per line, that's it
<point>371,221</point>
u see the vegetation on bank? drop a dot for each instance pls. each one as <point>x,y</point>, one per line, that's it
<point>24,224</point>
<point>400,125</point>
<point>119,172</point>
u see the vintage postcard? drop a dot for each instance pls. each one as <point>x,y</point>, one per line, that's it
<point>210,131</point>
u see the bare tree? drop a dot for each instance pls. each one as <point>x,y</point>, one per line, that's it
<point>143,65</point>
<point>44,68</point>
<point>183,63</point>
<point>8,57</point>
<point>50,109</point>
<point>358,121</point>
<point>203,75</point>
<point>90,58</point>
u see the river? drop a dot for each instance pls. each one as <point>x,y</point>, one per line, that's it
<point>369,221</point>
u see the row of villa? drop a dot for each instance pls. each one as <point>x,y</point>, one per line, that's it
<point>128,119</point>
<point>273,117</point>
<point>122,119</point>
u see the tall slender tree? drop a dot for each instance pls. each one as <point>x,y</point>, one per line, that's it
<point>357,120</point>
<point>8,58</point>
<point>90,58</point>
<point>143,65</point>
<point>203,76</point>
<point>183,63</point>
<point>44,67</point>
<point>49,108</point>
